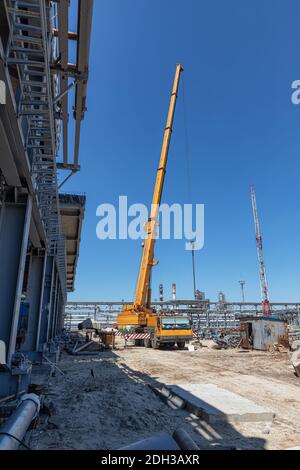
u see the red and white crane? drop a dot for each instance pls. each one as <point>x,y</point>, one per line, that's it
<point>266,309</point>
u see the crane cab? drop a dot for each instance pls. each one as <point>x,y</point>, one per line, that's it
<point>170,330</point>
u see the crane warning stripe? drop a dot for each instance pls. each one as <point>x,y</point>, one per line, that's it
<point>133,335</point>
<point>140,335</point>
<point>137,336</point>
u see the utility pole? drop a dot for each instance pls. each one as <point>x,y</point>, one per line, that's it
<point>193,264</point>
<point>266,309</point>
<point>242,284</point>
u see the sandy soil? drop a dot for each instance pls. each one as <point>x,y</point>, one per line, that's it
<point>117,407</point>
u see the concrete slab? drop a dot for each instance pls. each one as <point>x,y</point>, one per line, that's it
<point>215,404</point>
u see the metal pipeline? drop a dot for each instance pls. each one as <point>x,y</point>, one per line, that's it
<point>184,440</point>
<point>180,440</point>
<point>14,430</point>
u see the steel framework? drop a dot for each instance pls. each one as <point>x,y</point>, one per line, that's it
<point>29,48</point>
<point>206,315</point>
<point>37,47</point>
<point>37,258</point>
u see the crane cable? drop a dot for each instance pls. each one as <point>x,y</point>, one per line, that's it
<point>186,143</point>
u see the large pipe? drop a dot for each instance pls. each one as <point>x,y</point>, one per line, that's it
<point>14,430</point>
<point>184,440</point>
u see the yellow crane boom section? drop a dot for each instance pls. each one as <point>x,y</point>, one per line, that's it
<point>143,282</point>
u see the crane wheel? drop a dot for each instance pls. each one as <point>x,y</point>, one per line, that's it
<point>181,344</point>
<point>154,343</point>
<point>147,343</point>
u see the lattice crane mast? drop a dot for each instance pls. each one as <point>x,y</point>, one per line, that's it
<point>266,309</point>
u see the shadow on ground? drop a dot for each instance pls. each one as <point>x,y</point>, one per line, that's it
<point>101,403</point>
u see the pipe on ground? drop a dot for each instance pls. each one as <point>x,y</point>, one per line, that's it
<point>184,440</point>
<point>14,430</point>
<point>180,440</point>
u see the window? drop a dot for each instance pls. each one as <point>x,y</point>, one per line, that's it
<point>183,323</point>
<point>176,323</point>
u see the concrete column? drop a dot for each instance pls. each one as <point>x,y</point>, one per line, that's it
<point>14,233</point>
<point>45,307</point>
<point>34,297</point>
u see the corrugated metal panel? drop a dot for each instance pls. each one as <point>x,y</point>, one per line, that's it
<point>268,332</point>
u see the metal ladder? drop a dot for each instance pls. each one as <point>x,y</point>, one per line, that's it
<point>29,50</point>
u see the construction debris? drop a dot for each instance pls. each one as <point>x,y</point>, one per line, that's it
<point>90,342</point>
<point>227,341</point>
<point>89,324</point>
<point>277,347</point>
<point>295,359</point>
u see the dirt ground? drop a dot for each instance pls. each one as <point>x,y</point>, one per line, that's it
<point>117,407</point>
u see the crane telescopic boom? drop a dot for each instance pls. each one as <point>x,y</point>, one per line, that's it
<point>135,314</point>
<point>143,283</point>
<point>266,309</point>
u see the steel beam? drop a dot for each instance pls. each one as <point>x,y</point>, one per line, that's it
<point>45,304</point>
<point>63,43</point>
<point>54,308</point>
<point>85,12</point>
<point>14,235</point>
<point>59,315</point>
<point>34,298</point>
<point>54,278</point>
<point>55,319</point>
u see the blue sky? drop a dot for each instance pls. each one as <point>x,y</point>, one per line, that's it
<point>240,59</point>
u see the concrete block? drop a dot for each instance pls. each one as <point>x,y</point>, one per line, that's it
<point>295,359</point>
<point>295,345</point>
<point>215,404</point>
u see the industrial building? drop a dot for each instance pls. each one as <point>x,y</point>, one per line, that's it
<point>39,225</point>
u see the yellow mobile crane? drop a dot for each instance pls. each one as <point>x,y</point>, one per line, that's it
<point>139,316</point>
